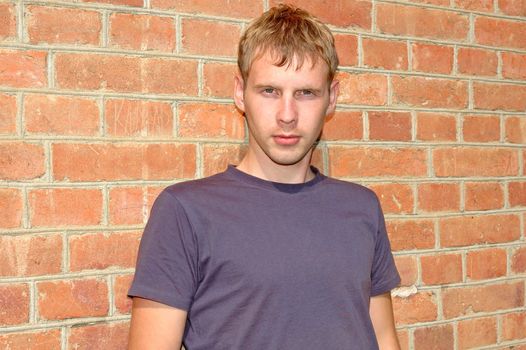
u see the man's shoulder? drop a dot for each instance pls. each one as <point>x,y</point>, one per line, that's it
<point>346,190</point>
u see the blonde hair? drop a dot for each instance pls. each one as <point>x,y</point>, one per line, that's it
<point>290,35</point>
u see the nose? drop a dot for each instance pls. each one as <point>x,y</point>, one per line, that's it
<point>288,113</point>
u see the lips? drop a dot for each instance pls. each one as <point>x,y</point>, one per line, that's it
<point>286,140</point>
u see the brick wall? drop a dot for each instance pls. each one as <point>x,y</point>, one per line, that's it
<point>105,102</point>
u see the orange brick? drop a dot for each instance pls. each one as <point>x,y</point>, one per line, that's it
<point>441,269</point>
<point>142,32</point>
<point>515,129</point>
<point>432,58</point>
<point>30,255</point>
<point>343,125</point>
<point>65,207</point>
<point>513,65</point>
<point>203,37</point>
<point>428,23</point>
<point>514,326</point>
<point>229,8</point>
<point>477,62</point>
<point>218,79</point>
<point>471,161</point>
<point>8,109</point>
<point>434,338</point>
<point>407,268</point>
<point>363,89</point>
<point>99,336</point>
<point>63,25</point>
<point>436,127</point>
<point>7,21</point>
<point>98,251</point>
<point>96,162</point>
<point>126,205</point>
<point>121,286</point>
<point>471,300</point>
<point>23,68</point>
<point>21,161</point>
<point>11,208</point>
<point>394,198</point>
<point>506,97</point>
<point>59,300</point>
<point>478,128</point>
<point>411,234</point>
<point>500,32</point>
<point>484,196</point>
<point>125,74</point>
<point>347,49</point>
<point>61,115</point>
<point>14,304</point>
<point>429,92</point>
<point>486,263</point>
<point>475,5</point>
<point>513,7</point>
<point>138,118</point>
<point>48,339</point>
<point>376,161</point>
<point>205,120</point>
<point>135,3</point>
<point>517,194</point>
<point>518,261</point>
<point>469,230</point>
<point>216,157</point>
<point>390,126</point>
<point>477,332</point>
<point>374,54</point>
<point>420,307</point>
<point>434,197</point>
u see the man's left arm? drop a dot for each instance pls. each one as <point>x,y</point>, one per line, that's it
<point>381,312</point>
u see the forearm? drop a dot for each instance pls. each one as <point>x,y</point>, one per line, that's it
<point>381,312</point>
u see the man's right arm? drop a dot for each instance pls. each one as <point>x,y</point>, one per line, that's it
<point>155,326</point>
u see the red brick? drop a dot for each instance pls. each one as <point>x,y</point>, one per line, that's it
<point>421,22</point>
<point>138,118</point>
<point>434,338</point>
<point>8,109</point>
<point>436,127</point>
<point>125,74</point>
<point>61,115</point>
<point>477,332</point>
<point>14,304</point>
<point>121,286</point>
<point>11,208</point>
<point>363,89</point>
<point>435,197</point>
<point>420,307</point>
<point>518,261</point>
<point>403,338</point>
<point>441,269</point>
<point>475,5</point>
<point>429,92</point>
<point>433,2</point>
<point>30,255</point>
<point>483,196</point>
<point>481,128</point>
<point>516,129</point>
<point>517,194</point>
<point>204,120</point>
<point>135,3</point>
<point>99,162</point>
<point>411,234</point>
<point>23,68</point>
<point>469,230</point>
<point>390,126</point>
<point>152,192</point>
<point>486,263</point>
<point>229,8</point>
<point>65,207</point>
<point>21,161</point>
<point>102,336</point>
<point>500,32</point>
<point>473,61</point>
<point>41,340</point>
<point>63,25</point>
<point>347,49</point>
<point>218,79</point>
<point>407,268</point>
<point>59,300</point>
<point>513,7</point>
<point>394,198</point>
<point>471,161</point>
<point>514,326</point>
<point>203,37</point>
<point>513,65</point>
<point>126,206</point>
<point>98,251</point>
<point>7,21</point>
<point>432,58</point>
<point>343,125</point>
<point>506,97</point>
<point>142,32</point>
<point>341,13</point>
<point>216,157</point>
<point>376,161</point>
<point>471,300</point>
<point>374,54</point>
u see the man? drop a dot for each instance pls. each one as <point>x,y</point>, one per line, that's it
<point>270,254</point>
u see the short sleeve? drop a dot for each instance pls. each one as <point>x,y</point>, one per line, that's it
<point>384,275</point>
<point>167,261</point>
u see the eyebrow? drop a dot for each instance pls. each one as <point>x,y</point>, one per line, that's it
<point>311,88</point>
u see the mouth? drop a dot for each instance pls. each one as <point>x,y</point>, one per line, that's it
<point>286,140</point>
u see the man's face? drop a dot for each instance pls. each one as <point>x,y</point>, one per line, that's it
<point>285,108</point>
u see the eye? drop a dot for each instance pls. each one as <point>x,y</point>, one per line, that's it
<point>269,91</point>
<point>306,93</point>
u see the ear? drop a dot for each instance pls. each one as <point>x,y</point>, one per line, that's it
<point>239,92</point>
<point>334,90</point>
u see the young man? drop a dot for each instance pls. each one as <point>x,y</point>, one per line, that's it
<point>270,254</point>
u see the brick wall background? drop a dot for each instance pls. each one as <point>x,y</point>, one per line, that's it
<point>105,102</point>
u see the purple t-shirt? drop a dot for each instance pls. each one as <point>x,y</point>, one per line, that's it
<point>264,265</point>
